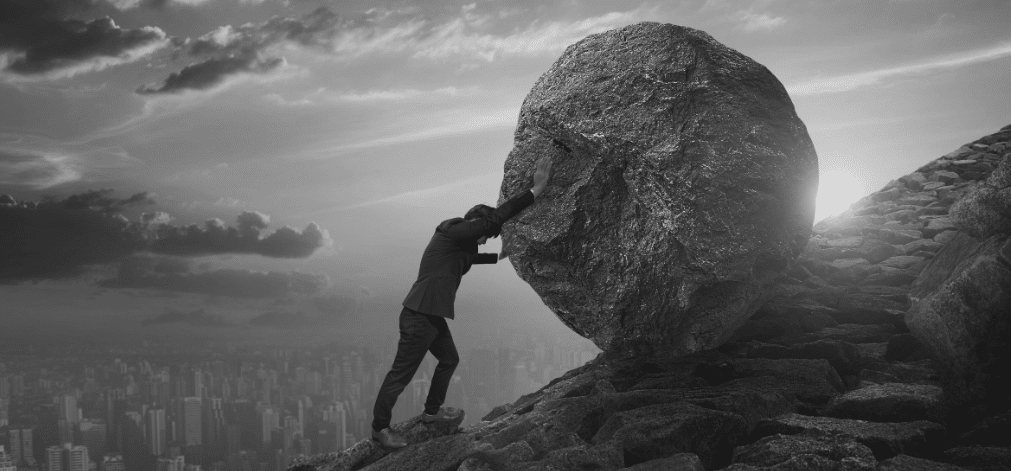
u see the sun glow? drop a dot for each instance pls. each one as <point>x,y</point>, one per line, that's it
<point>837,190</point>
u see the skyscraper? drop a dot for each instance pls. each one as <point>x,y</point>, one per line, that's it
<point>22,445</point>
<point>54,458</point>
<point>155,431</point>
<point>6,463</point>
<point>91,433</point>
<point>193,428</point>
<point>77,457</point>
<point>68,408</point>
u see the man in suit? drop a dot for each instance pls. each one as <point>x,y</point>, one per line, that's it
<point>449,255</point>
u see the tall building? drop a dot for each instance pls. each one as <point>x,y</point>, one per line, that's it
<point>155,431</point>
<point>6,463</point>
<point>270,420</point>
<point>54,459</point>
<point>193,427</point>
<point>91,434</point>
<point>67,458</point>
<point>112,463</point>
<point>68,409</point>
<point>22,445</point>
<point>76,457</point>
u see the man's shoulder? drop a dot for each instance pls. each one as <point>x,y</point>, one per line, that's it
<point>445,225</point>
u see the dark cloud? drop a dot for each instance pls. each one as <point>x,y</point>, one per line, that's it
<point>56,238</point>
<point>35,170</point>
<point>197,318</point>
<point>215,238</point>
<point>212,72</point>
<point>284,320</point>
<point>38,37</point>
<point>173,274</point>
<point>102,201</point>
<point>59,238</point>
<point>229,51</point>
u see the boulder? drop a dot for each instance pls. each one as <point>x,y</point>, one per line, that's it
<point>884,439</point>
<point>961,313</point>
<point>777,452</point>
<point>687,191</point>
<point>986,209</point>
<point>678,462</point>
<point>991,457</point>
<point>889,402</point>
<point>910,463</point>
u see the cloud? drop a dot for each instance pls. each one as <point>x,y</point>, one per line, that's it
<point>255,48</point>
<point>197,318</point>
<point>216,238</point>
<point>59,238</point>
<point>847,82</point>
<point>175,274</point>
<point>245,50</point>
<point>324,96</point>
<point>751,21</point>
<point>37,170</point>
<point>39,39</point>
<point>212,72</point>
<point>465,36</point>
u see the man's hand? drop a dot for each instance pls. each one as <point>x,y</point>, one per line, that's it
<point>541,175</point>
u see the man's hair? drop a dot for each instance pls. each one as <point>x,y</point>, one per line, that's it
<point>480,211</point>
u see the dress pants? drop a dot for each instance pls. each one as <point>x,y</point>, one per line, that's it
<point>419,333</point>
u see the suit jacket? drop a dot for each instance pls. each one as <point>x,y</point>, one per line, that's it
<point>451,252</point>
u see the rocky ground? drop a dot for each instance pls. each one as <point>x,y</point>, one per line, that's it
<point>826,376</point>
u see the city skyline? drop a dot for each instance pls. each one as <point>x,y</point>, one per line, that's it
<point>143,410</point>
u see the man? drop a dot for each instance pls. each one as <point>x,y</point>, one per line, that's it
<point>423,328</point>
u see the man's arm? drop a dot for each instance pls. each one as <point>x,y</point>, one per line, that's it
<point>478,227</point>
<point>494,221</point>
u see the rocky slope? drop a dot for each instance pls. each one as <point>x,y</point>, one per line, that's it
<point>825,376</point>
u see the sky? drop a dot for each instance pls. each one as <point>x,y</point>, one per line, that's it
<point>246,165</point>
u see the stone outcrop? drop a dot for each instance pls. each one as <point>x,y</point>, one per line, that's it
<point>986,210</point>
<point>825,376</point>
<point>961,303</point>
<point>430,446</point>
<point>688,190</point>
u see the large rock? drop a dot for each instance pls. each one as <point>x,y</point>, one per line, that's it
<point>961,313</point>
<point>688,190</point>
<point>986,209</point>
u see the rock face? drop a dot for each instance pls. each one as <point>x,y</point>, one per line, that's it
<point>986,210</point>
<point>688,190</point>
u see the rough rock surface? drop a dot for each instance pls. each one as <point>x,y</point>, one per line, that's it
<point>962,314</point>
<point>772,386</point>
<point>986,209</point>
<point>807,450</point>
<point>418,436</point>
<point>688,191</point>
<point>889,402</point>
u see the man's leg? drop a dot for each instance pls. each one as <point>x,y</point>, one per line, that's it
<point>416,334</point>
<point>444,350</point>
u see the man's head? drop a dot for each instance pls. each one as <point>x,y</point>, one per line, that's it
<point>477,212</point>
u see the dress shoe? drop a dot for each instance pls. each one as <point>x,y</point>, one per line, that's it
<point>443,415</point>
<point>388,438</point>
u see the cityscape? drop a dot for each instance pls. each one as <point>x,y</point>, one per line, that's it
<point>143,405</point>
